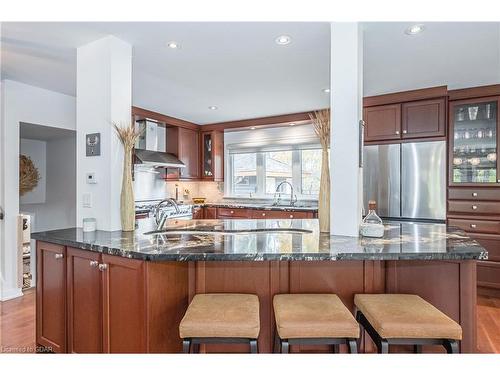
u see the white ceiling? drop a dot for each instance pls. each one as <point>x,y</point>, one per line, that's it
<point>239,68</point>
<point>457,54</point>
<point>235,66</point>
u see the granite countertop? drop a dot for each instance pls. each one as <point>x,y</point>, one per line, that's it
<point>258,206</point>
<point>257,240</point>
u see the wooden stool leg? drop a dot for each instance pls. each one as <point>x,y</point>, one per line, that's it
<point>277,343</point>
<point>186,346</point>
<point>284,346</point>
<point>417,348</point>
<point>253,346</point>
<point>353,346</point>
<point>451,346</point>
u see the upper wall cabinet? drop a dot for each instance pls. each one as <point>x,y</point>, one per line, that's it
<point>184,143</point>
<point>382,122</point>
<point>212,155</point>
<point>406,115</point>
<point>425,118</point>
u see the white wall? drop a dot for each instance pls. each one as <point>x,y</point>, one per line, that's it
<point>59,209</point>
<point>23,103</point>
<point>104,96</point>
<point>36,150</point>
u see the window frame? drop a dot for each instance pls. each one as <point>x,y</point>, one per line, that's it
<point>260,192</point>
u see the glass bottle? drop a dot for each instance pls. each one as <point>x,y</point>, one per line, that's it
<point>372,217</point>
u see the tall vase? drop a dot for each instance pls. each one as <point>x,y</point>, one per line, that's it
<point>324,194</point>
<point>127,210</point>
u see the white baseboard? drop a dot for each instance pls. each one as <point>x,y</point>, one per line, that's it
<point>11,293</point>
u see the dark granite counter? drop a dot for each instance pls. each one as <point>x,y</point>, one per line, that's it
<point>259,206</point>
<point>257,240</point>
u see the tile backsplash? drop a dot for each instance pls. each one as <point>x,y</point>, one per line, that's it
<point>149,184</point>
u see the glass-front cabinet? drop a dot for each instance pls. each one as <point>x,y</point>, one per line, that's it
<point>212,154</point>
<point>474,142</point>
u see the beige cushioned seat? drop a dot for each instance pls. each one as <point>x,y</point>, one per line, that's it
<point>406,316</point>
<point>222,315</point>
<point>313,316</point>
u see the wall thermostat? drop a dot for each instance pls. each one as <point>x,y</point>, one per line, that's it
<point>93,144</point>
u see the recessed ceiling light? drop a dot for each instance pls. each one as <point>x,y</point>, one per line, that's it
<point>292,124</point>
<point>253,128</point>
<point>414,29</point>
<point>173,45</point>
<point>326,91</point>
<point>213,107</point>
<point>283,40</point>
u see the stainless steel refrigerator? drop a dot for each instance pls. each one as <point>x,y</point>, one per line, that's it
<point>407,180</point>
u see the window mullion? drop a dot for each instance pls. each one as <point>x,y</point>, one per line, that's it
<point>261,174</point>
<point>297,172</point>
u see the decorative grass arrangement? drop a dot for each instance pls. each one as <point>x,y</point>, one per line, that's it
<point>128,135</point>
<point>321,124</point>
<point>28,175</point>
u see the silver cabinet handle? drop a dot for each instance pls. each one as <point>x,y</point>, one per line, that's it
<point>94,263</point>
<point>474,207</point>
<point>474,194</point>
<point>397,132</point>
<point>473,225</point>
<point>404,131</point>
<point>103,267</point>
<point>58,256</point>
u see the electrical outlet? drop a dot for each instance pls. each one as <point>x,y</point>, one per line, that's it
<point>87,200</point>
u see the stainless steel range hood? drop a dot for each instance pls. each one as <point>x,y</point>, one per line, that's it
<point>150,148</point>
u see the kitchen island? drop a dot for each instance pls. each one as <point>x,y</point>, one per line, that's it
<point>127,292</point>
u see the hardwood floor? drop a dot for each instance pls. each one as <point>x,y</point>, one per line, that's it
<point>17,324</point>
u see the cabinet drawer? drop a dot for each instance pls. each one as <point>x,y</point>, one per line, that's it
<point>474,207</point>
<point>488,274</point>
<point>476,226</point>
<point>491,244</point>
<point>268,214</point>
<point>233,212</point>
<point>474,194</point>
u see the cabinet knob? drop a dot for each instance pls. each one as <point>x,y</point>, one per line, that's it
<point>58,256</point>
<point>291,216</point>
<point>473,225</point>
<point>94,263</point>
<point>103,267</point>
<point>404,131</point>
<point>397,132</point>
<point>232,212</point>
<point>263,214</point>
<point>474,207</point>
<point>474,194</point>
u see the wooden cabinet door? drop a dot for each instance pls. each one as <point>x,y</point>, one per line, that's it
<point>382,122</point>
<point>189,153</point>
<point>84,296</point>
<point>197,213</point>
<point>272,214</point>
<point>51,296</point>
<point>124,305</point>
<point>210,213</point>
<point>425,118</point>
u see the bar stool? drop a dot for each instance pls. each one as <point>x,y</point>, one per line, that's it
<point>405,319</point>
<point>313,319</point>
<point>220,318</point>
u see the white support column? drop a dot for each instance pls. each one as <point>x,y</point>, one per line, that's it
<point>346,95</point>
<point>104,96</point>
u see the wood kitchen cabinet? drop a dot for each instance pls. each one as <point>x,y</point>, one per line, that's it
<point>270,214</point>
<point>184,143</point>
<point>51,297</point>
<point>382,122</point>
<point>424,118</point>
<point>212,155</point>
<point>85,301</point>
